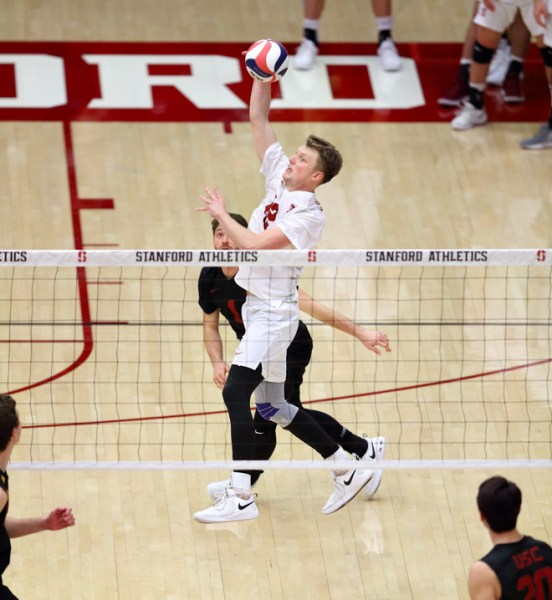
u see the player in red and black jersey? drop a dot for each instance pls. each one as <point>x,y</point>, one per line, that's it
<point>518,567</point>
<point>219,294</point>
<point>59,518</point>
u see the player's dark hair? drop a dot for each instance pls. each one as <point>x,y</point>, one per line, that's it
<point>237,217</point>
<point>330,160</point>
<point>499,501</point>
<point>9,420</point>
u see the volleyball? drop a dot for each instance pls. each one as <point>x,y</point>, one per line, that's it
<point>266,60</point>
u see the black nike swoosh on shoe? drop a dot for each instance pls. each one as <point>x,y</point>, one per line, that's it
<point>242,507</point>
<point>372,454</point>
<point>348,482</point>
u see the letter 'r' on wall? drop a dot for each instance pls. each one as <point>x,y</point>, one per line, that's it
<point>39,81</point>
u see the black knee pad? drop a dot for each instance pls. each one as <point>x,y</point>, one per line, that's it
<point>481,54</point>
<point>546,53</point>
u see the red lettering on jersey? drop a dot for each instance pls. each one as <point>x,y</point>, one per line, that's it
<point>536,586</point>
<point>527,557</point>
<point>535,555</point>
<point>270,212</point>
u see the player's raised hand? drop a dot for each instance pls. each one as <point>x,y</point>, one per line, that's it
<point>213,202</point>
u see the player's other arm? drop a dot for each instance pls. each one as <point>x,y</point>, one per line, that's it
<point>483,583</point>
<point>337,320</point>
<point>59,518</point>
<point>213,346</point>
<point>269,239</point>
<point>259,108</point>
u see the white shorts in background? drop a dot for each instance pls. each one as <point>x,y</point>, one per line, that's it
<point>503,15</point>
<point>269,330</point>
<point>548,32</point>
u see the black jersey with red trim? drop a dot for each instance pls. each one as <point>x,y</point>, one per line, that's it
<point>5,544</point>
<point>217,292</point>
<point>523,568</point>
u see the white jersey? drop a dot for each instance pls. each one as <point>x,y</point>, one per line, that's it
<point>298,215</point>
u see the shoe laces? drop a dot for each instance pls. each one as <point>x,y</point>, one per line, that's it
<point>230,492</point>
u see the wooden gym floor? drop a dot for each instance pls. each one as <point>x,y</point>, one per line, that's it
<point>405,185</point>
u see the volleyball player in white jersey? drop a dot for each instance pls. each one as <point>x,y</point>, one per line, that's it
<point>492,19</point>
<point>288,217</point>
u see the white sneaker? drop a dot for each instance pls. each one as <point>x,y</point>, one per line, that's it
<point>229,507</point>
<point>500,63</point>
<point>469,117</point>
<point>376,452</point>
<point>346,487</point>
<point>389,55</point>
<point>216,489</point>
<point>306,54</point>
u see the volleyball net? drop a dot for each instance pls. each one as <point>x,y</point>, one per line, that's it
<point>103,352</point>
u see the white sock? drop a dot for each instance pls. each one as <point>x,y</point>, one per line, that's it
<point>340,455</point>
<point>311,24</point>
<point>383,23</point>
<point>241,484</point>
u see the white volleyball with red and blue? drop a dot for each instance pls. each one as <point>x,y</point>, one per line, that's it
<point>267,60</point>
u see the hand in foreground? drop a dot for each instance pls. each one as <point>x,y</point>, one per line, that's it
<point>60,518</point>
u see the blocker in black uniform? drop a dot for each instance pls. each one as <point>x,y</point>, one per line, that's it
<point>217,292</point>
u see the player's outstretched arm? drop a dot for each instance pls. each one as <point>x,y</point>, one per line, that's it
<point>270,239</point>
<point>59,518</point>
<point>337,320</point>
<point>259,109</point>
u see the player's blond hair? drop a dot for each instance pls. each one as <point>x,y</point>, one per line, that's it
<point>330,160</point>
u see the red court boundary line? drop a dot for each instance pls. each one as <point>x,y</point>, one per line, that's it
<point>88,340</point>
<point>331,399</point>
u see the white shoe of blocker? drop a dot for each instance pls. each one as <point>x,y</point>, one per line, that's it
<point>229,507</point>
<point>375,452</point>
<point>346,487</point>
